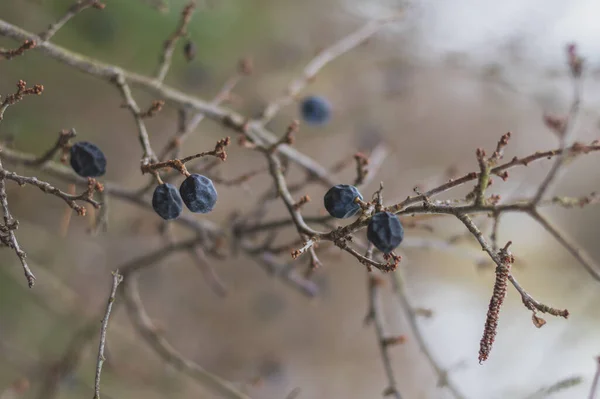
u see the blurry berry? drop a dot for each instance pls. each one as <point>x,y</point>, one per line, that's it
<point>189,50</point>
<point>198,193</point>
<point>385,231</point>
<point>167,202</point>
<point>339,201</point>
<point>87,159</point>
<point>315,110</point>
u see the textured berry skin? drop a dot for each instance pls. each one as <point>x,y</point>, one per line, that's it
<point>339,201</point>
<point>315,110</point>
<point>198,193</point>
<point>87,159</point>
<point>385,231</point>
<point>167,202</point>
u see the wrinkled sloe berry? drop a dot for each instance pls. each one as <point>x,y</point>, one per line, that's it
<point>315,110</point>
<point>87,159</point>
<point>385,231</point>
<point>339,201</point>
<point>167,202</point>
<point>198,193</point>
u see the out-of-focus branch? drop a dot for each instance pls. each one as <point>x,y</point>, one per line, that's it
<point>596,381</point>
<point>117,279</point>
<point>374,315</point>
<point>320,61</point>
<point>208,271</point>
<point>169,46</point>
<point>564,129</point>
<point>75,9</point>
<point>557,387</point>
<point>149,332</point>
<point>443,380</point>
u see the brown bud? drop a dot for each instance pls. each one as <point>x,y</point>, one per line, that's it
<point>189,50</point>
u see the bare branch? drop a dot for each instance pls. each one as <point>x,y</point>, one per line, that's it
<point>565,131</point>
<point>578,253</point>
<point>117,279</point>
<point>179,164</point>
<point>7,231</point>
<point>171,42</point>
<point>71,200</point>
<point>596,382</point>
<point>148,155</point>
<point>374,314</point>
<point>256,131</point>
<point>75,9</point>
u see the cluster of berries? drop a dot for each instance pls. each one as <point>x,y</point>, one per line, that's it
<point>384,231</point>
<point>197,192</point>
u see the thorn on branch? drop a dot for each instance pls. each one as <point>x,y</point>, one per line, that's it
<point>362,161</point>
<point>288,138</point>
<point>303,200</point>
<point>246,66</point>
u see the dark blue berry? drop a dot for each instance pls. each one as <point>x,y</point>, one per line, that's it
<point>198,193</point>
<point>385,231</point>
<point>167,202</point>
<point>339,201</point>
<point>87,159</point>
<point>315,110</point>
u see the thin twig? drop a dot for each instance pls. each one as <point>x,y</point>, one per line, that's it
<point>46,187</point>
<point>374,314</point>
<point>61,144</point>
<point>169,46</point>
<point>443,379</point>
<point>75,9</point>
<point>7,233</point>
<point>148,155</point>
<point>578,253</point>
<point>117,279</point>
<point>8,54</point>
<point>565,133</point>
<point>210,275</point>
<point>596,381</point>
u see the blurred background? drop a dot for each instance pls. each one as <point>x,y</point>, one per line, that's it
<point>448,78</point>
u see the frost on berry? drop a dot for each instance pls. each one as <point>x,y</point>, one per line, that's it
<point>198,193</point>
<point>87,159</point>
<point>167,202</point>
<point>385,231</point>
<point>315,110</point>
<point>339,201</point>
